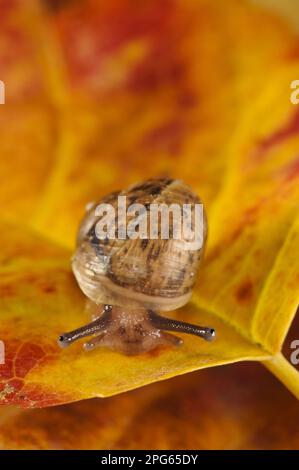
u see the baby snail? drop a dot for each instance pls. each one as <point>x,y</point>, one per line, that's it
<point>127,279</point>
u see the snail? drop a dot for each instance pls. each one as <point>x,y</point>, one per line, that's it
<point>128,280</point>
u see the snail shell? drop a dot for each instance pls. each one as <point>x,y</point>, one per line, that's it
<point>155,274</point>
<point>128,280</point>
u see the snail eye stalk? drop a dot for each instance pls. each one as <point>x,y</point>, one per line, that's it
<point>97,326</point>
<point>169,324</point>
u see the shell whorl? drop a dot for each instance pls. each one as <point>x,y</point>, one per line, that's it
<point>153,273</point>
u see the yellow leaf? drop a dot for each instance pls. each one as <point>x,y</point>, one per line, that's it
<point>222,408</point>
<point>174,88</point>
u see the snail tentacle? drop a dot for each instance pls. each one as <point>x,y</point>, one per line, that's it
<point>169,324</point>
<point>168,339</point>
<point>98,325</point>
<point>95,342</point>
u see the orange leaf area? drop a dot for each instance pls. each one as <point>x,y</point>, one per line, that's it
<point>39,298</point>
<point>223,408</point>
<point>103,94</point>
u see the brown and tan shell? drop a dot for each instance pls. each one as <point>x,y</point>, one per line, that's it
<point>146,273</point>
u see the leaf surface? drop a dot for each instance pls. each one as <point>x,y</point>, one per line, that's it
<point>222,408</point>
<point>173,88</point>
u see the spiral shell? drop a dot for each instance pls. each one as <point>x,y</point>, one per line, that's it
<point>147,273</point>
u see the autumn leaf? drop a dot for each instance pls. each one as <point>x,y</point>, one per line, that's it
<point>104,95</point>
<point>223,408</point>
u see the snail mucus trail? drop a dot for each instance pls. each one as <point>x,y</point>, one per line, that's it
<point>128,281</point>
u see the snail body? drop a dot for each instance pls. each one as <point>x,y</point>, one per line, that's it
<point>127,280</point>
